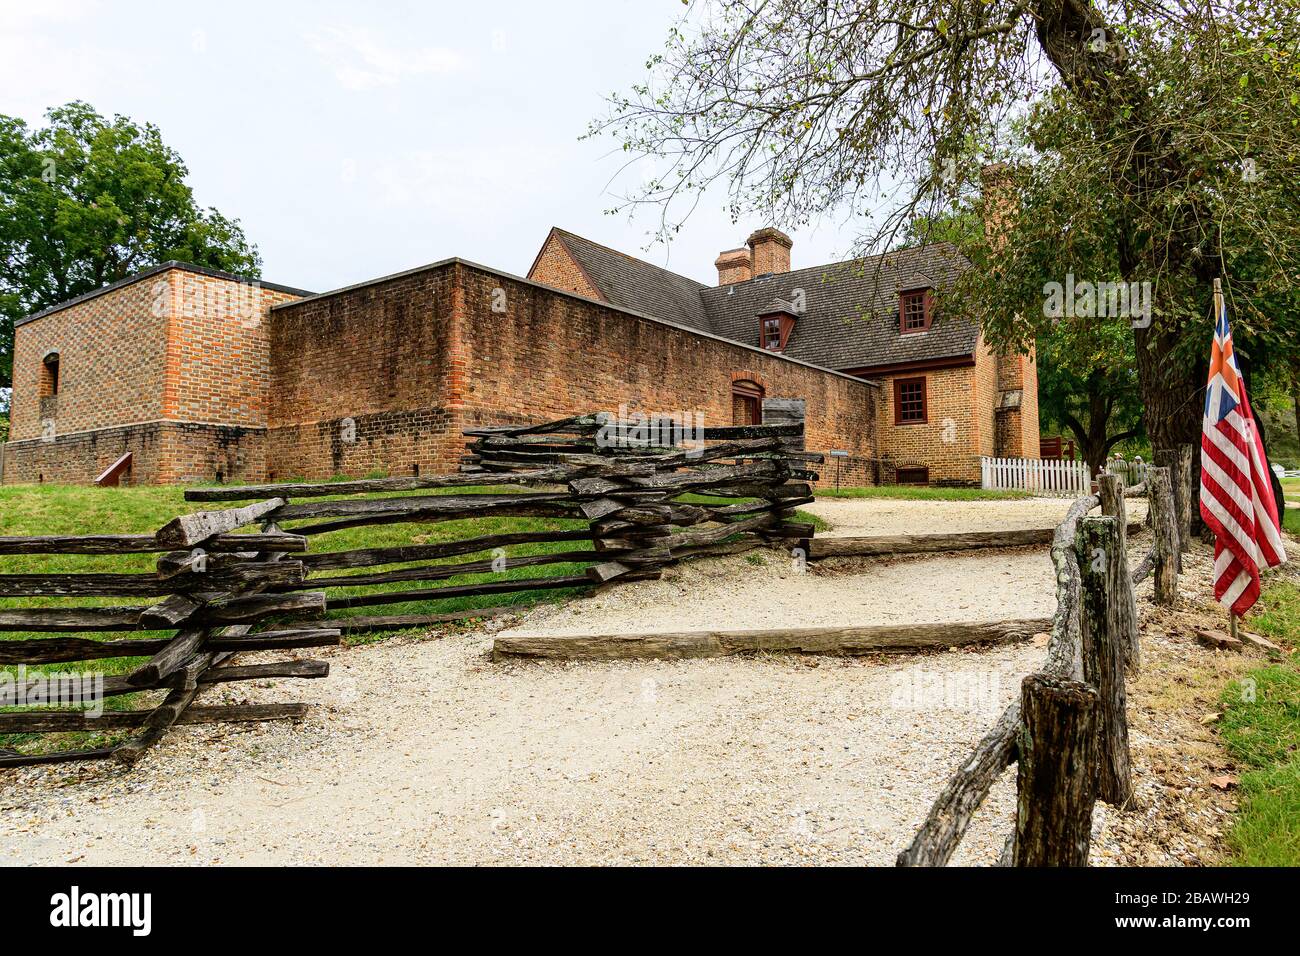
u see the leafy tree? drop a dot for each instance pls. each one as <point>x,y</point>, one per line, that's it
<point>1163,144</point>
<point>1087,385</point>
<point>85,201</point>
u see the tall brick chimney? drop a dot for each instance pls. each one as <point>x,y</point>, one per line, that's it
<point>734,266</point>
<point>770,251</point>
<point>999,199</point>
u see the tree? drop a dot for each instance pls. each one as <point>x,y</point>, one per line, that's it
<point>1165,132</point>
<point>85,201</point>
<point>1087,385</point>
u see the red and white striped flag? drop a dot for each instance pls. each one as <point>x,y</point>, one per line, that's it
<point>1236,494</point>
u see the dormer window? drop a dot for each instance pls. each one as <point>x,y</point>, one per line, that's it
<point>914,311</point>
<point>775,324</point>
<point>772,333</point>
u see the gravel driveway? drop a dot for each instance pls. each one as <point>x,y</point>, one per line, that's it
<point>427,752</point>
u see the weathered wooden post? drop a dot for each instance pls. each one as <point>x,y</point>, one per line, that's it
<point>1056,773</point>
<point>1179,462</point>
<point>1104,606</point>
<point>1111,490</point>
<point>1164,524</point>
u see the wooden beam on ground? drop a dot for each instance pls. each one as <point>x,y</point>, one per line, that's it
<point>878,545</point>
<point>674,645</point>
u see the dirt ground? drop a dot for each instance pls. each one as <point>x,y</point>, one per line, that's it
<point>427,752</point>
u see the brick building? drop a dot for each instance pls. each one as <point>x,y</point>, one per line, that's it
<point>170,366</point>
<point>200,376</point>
<point>945,397</point>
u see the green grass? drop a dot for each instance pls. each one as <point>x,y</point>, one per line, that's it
<point>1261,729</point>
<point>65,509</point>
<point>916,493</point>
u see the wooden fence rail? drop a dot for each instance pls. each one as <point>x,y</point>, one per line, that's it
<point>1068,731</point>
<point>219,592</point>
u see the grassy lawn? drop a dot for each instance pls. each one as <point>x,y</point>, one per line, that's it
<point>1263,736</point>
<point>67,509</point>
<point>914,493</point>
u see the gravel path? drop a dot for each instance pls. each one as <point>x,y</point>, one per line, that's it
<point>854,517</point>
<point>427,752</point>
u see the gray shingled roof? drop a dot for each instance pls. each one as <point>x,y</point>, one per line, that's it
<point>851,308</point>
<point>639,286</point>
<point>850,317</point>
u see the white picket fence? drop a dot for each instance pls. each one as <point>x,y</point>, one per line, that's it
<point>1035,475</point>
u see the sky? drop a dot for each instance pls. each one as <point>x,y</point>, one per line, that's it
<point>354,140</point>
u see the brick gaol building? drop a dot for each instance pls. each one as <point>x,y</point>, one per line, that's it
<point>199,376</point>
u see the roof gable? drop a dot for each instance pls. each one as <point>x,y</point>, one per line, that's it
<point>631,283</point>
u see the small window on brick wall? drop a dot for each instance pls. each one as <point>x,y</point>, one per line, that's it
<point>909,401</point>
<point>914,311</point>
<point>50,375</point>
<point>913,476</point>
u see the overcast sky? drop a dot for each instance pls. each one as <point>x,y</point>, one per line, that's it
<point>358,139</point>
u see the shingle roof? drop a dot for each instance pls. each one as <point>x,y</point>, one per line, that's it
<point>632,284</point>
<point>850,317</point>
<point>850,309</point>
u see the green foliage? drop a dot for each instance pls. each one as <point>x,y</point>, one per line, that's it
<point>1149,143</point>
<point>1261,729</point>
<point>85,201</point>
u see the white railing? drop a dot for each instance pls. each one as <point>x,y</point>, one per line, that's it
<point>1036,476</point>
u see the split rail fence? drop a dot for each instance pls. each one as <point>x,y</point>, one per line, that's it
<point>1068,734</point>
<point>626,501</point>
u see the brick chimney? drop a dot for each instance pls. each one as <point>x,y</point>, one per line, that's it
<point>734,266</point>
<point>997,184</point>
<point>770,250</point>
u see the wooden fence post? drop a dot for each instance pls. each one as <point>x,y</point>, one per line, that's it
<point>1111,490</point>
<point>1179,462</point>
<point>1056,773</point>
<point>1164,524</point>
<point>1105,600</point>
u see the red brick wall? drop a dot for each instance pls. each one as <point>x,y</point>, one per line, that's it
<point>361,380</point>
<point>414,359</point>
<point>555,267</point>
<point>551,355</point>
<point>111,362</point>
<point>172,368</point>
<point>948,441</point>
<point>161,453</point>
<point>218,366</point>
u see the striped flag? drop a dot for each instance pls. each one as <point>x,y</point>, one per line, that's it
<point>1236,494</point>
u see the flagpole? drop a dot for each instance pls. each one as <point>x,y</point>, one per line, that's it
<point>1218,311</point>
